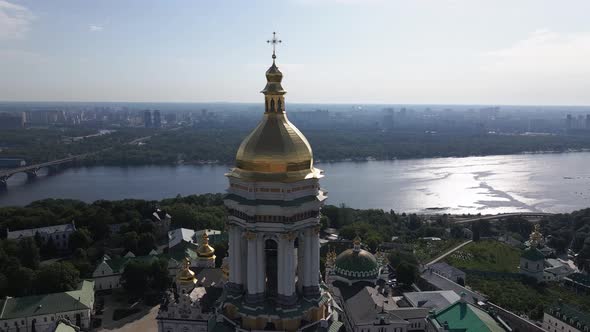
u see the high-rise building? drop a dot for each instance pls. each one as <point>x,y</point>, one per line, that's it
<point>587,125</point>
<point>157,119</point>
<point>569,122</point>
<point>11,121</point>
<point>147,119</point>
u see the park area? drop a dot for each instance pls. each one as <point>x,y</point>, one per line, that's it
<point>503,286</point>
<point>488,255</point>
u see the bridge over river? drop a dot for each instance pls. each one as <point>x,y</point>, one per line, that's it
<point>32,170</point>
<point>526,215</point>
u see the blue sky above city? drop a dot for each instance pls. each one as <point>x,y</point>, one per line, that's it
<point>333,51</point>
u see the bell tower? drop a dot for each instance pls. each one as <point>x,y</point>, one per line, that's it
<point>273,201</point>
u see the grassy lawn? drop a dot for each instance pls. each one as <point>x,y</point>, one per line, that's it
<point>486,255</point>
<point>428,250</point>
<point>525,298</point>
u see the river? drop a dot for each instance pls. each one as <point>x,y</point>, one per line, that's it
<point>527,182</point>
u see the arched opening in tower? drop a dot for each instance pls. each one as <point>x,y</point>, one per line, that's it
<point>270,250</point>
<point>298,268</point>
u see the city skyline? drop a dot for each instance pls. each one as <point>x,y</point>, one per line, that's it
<point>347,51</point>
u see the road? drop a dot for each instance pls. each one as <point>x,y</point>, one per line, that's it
<point>448,253</point>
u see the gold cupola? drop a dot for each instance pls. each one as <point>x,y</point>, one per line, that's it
<point>185,276</point>
<point>205,250</point>
<point>275,150</point>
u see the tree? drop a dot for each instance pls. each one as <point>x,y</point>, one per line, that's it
<point>57,277</point>
<point>28,253</point>
<point>159,275</point>
<point>145,243</point>
<point>457,231</point>
<point>81,238</point>
<point>476,231</point>
<point>49,249</point>
<point>583,258</point>
<point>415,222</point>
<point>130,241</point>
<point>135,278</point>
<point>406,273</point>
<point>20,281</point>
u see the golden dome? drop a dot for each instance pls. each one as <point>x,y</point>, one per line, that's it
<point>275,150</point>
<point>205,250</point>
<point>186,276</point>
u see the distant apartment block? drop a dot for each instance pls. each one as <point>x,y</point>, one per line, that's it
<point>11,120</point>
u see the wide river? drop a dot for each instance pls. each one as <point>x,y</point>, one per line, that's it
<point>494,184</point>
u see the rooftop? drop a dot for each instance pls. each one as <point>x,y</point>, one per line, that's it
<point>464,317</point>
<point>436,300</point>
<point>447,269</point>
<point>571,315</point>
<point>443,283</point>
<point>80,299</point>
<point>364,302</point>
<point>24,233</point>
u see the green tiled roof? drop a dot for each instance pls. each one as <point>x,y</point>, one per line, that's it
<point>254,202</point>
<point>465,317</point>
<point>80,299</point>
<point>570,314</point>
<point>533,254</point>
<point>179,252</point>
<point>360,265</point>
<point>117,264</point>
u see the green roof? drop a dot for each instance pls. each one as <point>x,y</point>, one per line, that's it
<point>179,252</point>
<point>570,314</point>
<point>464,317</point>
<point>118,264</point>
<point>533,254</point>
<point>80,299</point>
<point>356,264</point>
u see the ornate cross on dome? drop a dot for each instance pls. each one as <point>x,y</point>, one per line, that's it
<point>274,41</point>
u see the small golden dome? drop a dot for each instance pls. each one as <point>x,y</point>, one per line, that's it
<point>205,250</point>
<point>186,276</point>
<point>273,81</point>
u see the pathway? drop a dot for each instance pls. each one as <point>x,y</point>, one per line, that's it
<point>448,253</point>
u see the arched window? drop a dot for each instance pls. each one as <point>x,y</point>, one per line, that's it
<point>272,105</point>
<point>280,109</point>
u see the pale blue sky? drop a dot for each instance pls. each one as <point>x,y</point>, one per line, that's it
<point>333,51</point>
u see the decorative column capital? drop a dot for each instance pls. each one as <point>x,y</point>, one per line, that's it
<point>289,236</point>
<point>317,229</point>
<point>250,235</point>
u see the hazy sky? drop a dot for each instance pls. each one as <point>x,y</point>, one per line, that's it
<point>333,51</point>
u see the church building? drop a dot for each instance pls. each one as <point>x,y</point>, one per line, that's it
<point>273,202</point>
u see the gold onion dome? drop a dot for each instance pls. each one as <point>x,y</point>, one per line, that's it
<point>186,276</point>
<point>275,150</point>
<point>205,250</point>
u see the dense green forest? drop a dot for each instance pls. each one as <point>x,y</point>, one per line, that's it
<point>23,273</point>
<point>220,144</point>
<point>21,261</point>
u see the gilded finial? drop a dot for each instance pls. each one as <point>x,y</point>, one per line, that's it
<point>356,243</point>
<point>274,41</point>
<point>330,257</point>
<point>536,238</point>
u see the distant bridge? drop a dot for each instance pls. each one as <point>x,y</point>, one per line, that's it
<point>31,170</point>
<point>503,216</point>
